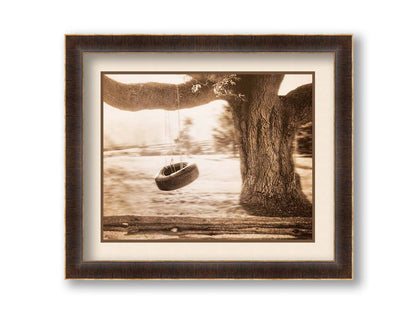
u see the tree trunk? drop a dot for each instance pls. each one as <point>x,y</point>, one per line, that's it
<point>267,125</point>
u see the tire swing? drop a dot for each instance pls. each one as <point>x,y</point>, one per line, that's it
<point>176,175</point>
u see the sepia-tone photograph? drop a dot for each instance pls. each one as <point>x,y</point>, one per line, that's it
<point>207,156</point>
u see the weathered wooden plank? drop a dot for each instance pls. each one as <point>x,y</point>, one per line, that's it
<point>197,220</point>
<point>297,228</point>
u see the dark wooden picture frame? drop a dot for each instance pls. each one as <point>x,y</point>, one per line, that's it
<point>340,268</point>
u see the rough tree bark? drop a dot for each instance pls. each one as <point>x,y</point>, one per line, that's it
<point>266,123</point>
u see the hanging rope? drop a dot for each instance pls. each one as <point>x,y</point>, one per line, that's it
<point>179,126</point>
<point>172,151</point>
<point>168,134</point>
<point>167,137</point>
<point>168,140</point>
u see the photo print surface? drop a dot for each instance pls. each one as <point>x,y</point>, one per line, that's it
<point>207,156</point>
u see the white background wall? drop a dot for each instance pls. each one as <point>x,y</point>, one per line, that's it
<point>32,154</point>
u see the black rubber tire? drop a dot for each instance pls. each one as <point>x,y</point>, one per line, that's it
<point>167,181</point>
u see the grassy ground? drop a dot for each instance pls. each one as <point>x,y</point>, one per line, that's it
<point>129,187</point>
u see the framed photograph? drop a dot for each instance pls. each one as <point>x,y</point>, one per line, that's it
<point>209,157</point>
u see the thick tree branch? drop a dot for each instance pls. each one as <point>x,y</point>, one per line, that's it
<point>152,95</point>
<point>198,91</point>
